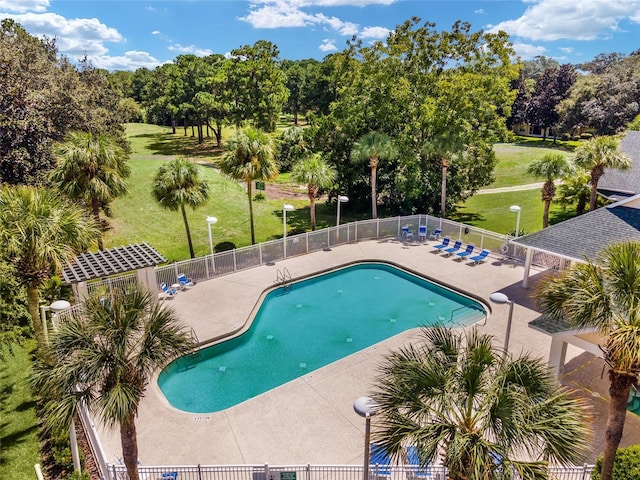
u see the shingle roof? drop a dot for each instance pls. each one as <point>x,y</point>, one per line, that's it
<point>625,181</point>
<point>584,236</point>
<point>103,263</point>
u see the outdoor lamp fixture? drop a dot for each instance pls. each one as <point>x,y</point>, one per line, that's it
<point>366,407</point>
<point>285,208</point>
<point>341,199</point>
<point>501,298</point>
<point>211,221</point>
<point>55,308</point>
<point>516,209</point>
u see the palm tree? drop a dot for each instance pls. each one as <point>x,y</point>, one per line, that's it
<point>551,166</point>
<point>373,147</point>
<point>93,169</point>
<point>596,155</point>
<point>604,294</point>
<point>105,356</point>
<point>177,184</point>
<point>39,233</point>
<point>249,157</point>
<point>316,174</point>
<point>575,189</point>
<point>459,395</point>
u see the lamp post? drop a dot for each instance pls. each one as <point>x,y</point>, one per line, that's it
<point>366,407</point>
<point>341,199</point>
<point>211,221</point>
<point>501,298</point>
<point>516,209</point>
<point>55,308</point>
<point>285,208</point>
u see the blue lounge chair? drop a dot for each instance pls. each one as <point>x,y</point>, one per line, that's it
<point>422,232</point>
<point>481,257</point>
<point>454,249</point>
<point>436,234</point>
<point>466,252</point>
<point>169,476</point>
<point>444,244</point>
<point>168,291</point>
<point>380,461</point>
<point>184,281</point>
<point>406,233</point>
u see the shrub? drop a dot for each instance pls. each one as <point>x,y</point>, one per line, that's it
<point>625,467</point>
<point>586,136</point>
<point>259,196</point>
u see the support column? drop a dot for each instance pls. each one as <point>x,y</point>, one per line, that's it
<point>527,267</point>
<point>557,355</point>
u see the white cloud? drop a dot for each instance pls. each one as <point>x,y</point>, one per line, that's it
<point>374,32</point>
<point>75,36</point>
<point>155,32</point>
<point>201,52</point>
<point>22,6</point>
<point>131,60</point>
<point>149,8</point>
<point>328,46</point>
<point>292,13</point>
<point>526,51</point>
<point>549,20</point>
<point>567,49</point>
<point>480,11</point>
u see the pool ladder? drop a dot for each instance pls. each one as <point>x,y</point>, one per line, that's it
<point>283,278</point>
<point>193,356</point>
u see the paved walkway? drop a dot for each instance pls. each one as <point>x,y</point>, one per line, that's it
<point>514,188</point>
<point>311,420</point>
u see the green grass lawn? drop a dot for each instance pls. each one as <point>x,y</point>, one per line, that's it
<point>513,161</point>
<point>138,217</point>
<point>491,211</point>
<point>19,450</point>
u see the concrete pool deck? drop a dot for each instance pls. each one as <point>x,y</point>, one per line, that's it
<point>311,419</point>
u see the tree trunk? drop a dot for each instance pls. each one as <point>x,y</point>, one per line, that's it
<point>374,195</point>
<point>596,173</point>
<point>253,234</point>
<point>443,193</point>
<point>619,387</point>
<point>129,442</point>
<point>186,227</point>
<point>582,203</point>
<point>95,208</point>
<point>545,215</point>
<point>218,133</point>
<point>33,303</point>
<point>173,124</point>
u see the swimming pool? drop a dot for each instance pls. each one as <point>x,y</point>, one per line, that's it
<point>307,325</point>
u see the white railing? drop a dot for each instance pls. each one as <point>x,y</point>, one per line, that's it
<point>313,472</point>
<point>209,266</point>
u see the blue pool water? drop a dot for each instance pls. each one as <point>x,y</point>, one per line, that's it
<point>308,325</point>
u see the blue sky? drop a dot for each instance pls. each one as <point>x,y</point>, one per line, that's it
<point>125,35</point>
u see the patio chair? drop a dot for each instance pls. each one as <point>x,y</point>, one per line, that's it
<point>406,233</point>
<point>169,476</point>
<point>184,281</point>
<point>380,462</point>
<point>444,244</point>
<point>466,252</point>
<point>168,291</point>
<point>481,257</point>
<point>436,234</point>
<point>422,232</point>
<point>451,250</point>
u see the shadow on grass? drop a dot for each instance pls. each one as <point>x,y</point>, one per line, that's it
<point>469,218</point>
<point>569,146</point>
<point>179,144</point>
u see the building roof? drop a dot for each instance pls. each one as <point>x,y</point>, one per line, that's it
<point>617,184</point>
<point>104,263</point>
<point>584,236</point>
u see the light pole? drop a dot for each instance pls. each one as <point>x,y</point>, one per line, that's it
<point>285,208</point>
<point>516,209</point>
<point>341,199</point>
<point>501,298</point>
<point>55,308</point>
<point>366,407</point>
<point>211,221</point>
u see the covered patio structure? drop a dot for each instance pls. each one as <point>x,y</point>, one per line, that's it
<point>140,258</point>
